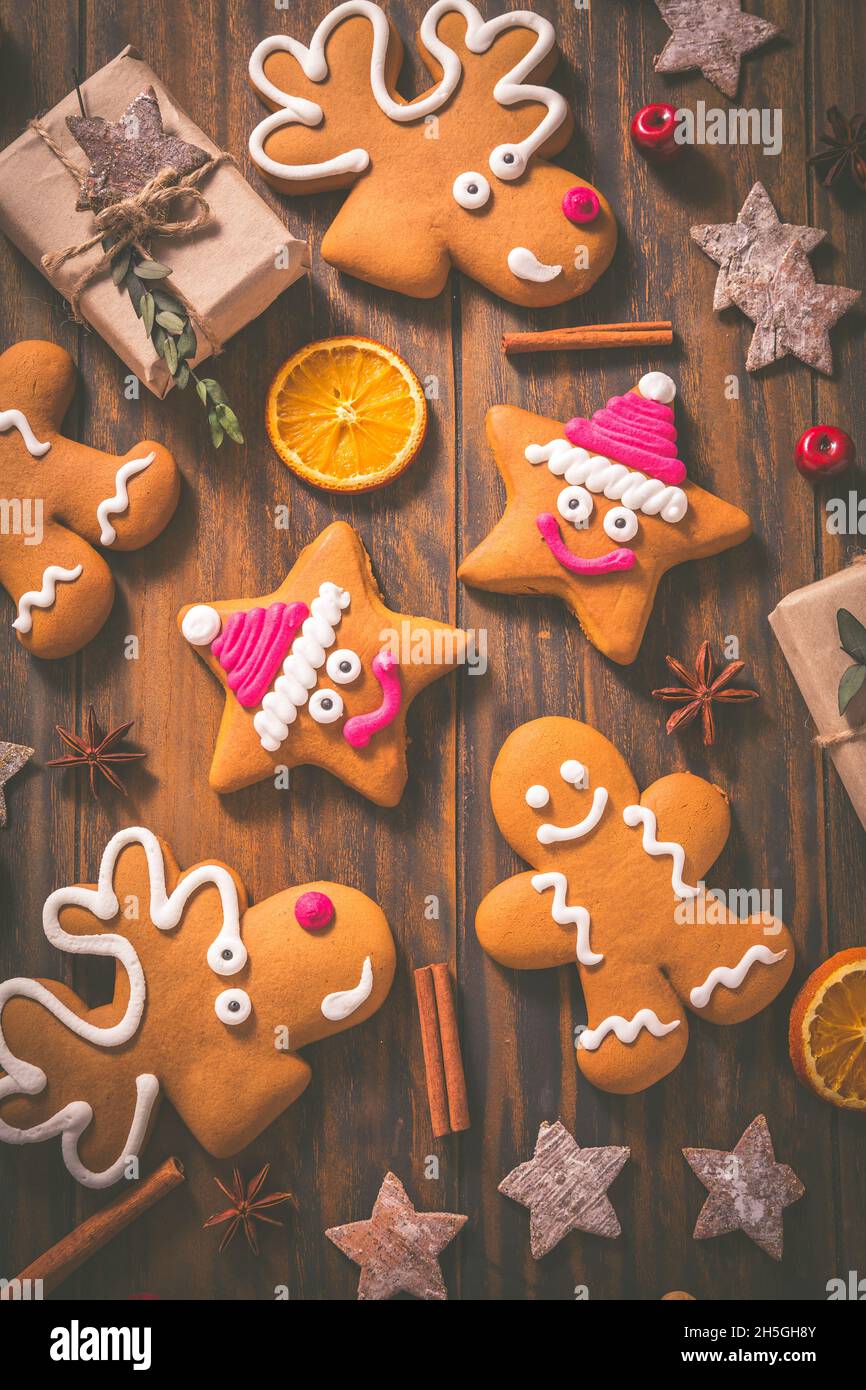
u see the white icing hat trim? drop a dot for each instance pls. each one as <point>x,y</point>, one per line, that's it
<point>201,625</point>
<point>628,486</point>
<point>657,386</point>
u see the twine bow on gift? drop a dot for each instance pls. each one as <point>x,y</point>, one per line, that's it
<point>132,221</point>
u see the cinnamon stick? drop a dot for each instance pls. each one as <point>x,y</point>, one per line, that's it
<point>74,1250</point>
<point>431,1043</point>
<point>455,1078</point>
<point>654,333</point>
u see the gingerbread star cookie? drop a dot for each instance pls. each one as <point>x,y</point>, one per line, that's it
<point>712,35</point>
<point>320,672</point>
<point>748,1189</point>
<point>597,511</point>
<point>67,499</point>
<point>398,1249</point>
<point>617,886</point>
<point>565,1188</point>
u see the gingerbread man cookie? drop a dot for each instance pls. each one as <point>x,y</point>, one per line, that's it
<point>597,511</point>
<point>459,176</point>
<point>205,989</point>
<point>320,671</point>
<point>62,499</point>
<point>617,882</point>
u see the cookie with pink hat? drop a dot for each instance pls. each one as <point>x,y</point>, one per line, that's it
<point>597,511</point>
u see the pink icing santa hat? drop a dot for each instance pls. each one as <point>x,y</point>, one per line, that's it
<point>636,430</point>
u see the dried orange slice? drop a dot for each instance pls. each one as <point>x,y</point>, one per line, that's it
<point>827,1035</point>
<point>346,414</point>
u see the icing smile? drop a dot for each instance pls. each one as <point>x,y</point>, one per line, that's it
<point>615,560</point>
<point>359,730</point>
<point>526,266</point>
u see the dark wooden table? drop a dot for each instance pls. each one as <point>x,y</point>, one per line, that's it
<point>794,829</point>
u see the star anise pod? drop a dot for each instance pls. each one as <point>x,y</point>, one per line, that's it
<point>846,149</point>
<point>246,1207</point>
<point>96,752</point>
<point>702,689</point>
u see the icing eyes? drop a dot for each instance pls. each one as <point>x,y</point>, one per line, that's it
<point>507,162</point>
<point>314,911</point>
<point>574,773</point>
<point>227,955</point>
<point>537,797</point>
<point>471,190</point>
<point>620,524</point>
<point>343,666</point>
<point>325,706</point>
<point>575,504</point>
<point>233,1006</point>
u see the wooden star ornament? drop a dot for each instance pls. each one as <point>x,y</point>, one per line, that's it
<point>398,1248</point>
<point>748,1189</point>
<point>713,36</point>
<point>319,672</point>
<point>597,511</point>
<point>13,756</point>
<point>565,1188</point>
<point>126,154</point>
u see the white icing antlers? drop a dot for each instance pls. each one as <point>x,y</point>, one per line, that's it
<point>506,161</point>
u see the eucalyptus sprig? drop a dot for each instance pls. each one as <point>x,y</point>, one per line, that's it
<point>852,635</point>
<point>174,339</point>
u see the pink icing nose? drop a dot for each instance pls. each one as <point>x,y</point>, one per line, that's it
<point>580,204</point>
<point>314,911</point>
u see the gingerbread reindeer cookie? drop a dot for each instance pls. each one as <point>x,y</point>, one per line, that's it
<point>617,884</point>
<point>212,999</point>
<point>597,511</point>
<point>320,672</point>
<point>458,176</point>
<point>61,498</point>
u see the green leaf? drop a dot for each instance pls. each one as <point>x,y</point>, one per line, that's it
<point>229,422</point>
<point>852,635</point>
<point>849,685</point>
<point>201,392</point>
<point>136,291</point>
<point>216,429</point>
<point>159,337</point>
<point>187,342</point>
<point>181,376</point>
<point>152,270</point>
<point>170,322</point>
<point>169,352</point>
<point>120,265</point>
<point>215,391</point>
<point>147,311</point>
<point>167,301</point>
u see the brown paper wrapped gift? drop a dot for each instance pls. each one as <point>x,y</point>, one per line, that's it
<point>229,270</point>
<point>805,627</point>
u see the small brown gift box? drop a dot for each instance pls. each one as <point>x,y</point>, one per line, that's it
<point>805,627</point>
<point>229,270</point>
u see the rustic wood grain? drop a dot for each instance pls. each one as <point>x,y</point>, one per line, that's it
<point>366,1109</point>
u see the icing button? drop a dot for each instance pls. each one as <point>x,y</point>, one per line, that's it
<point>314,911</point>
<point>581,204</point>
<point>201,625</point>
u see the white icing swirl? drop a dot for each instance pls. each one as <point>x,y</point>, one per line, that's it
<point>642,815</point>
<point>732,976</point>
<point>626,485</point>
<point>17,420</point>
<point>566,916</point>
<point>625,1029</point>
<point>301,667</point>
<point>344,1002</point>
<point>120,501</point>
<point>44,597</point>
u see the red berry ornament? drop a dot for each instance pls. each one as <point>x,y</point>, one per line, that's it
<point>823,451</point>
<point>653,132</point>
